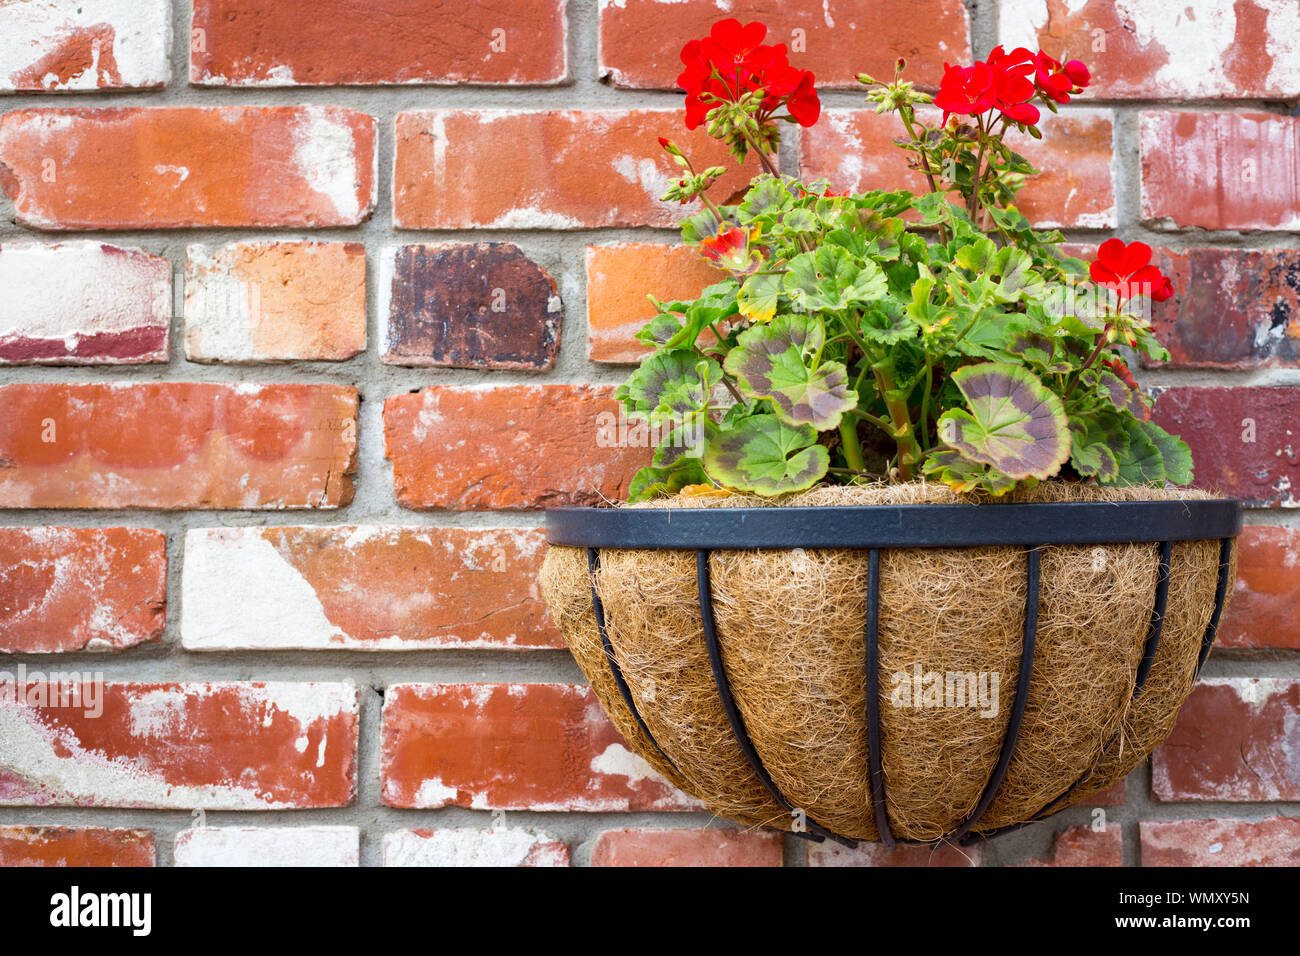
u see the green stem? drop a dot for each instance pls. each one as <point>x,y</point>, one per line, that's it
<point>852,447</point>
<point>909,452</point>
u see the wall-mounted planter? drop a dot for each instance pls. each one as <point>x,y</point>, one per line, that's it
<point>891,663</point>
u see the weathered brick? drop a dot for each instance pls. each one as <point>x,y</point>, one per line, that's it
<point>216,746</point>
<point>1113,796</point>
<point>268,846</point>
<point>179,167</point>
<point>275,301</point>
<point>1234,741</point>
<point>1274,841</point>
<point>1241,438</point>
<point>1266,594</point>
<point>1221,170</point>
<point>64,45</point>
<point>686,848</point>
<point>876,854</point>
<point>71,589</point>
<point>640,40</point>
<point>82,303</point>
<point>1151,49</point>
<point>512,747</point>
<point>514,169</point>
<point>306,43</point>
<point>854,149</point>
<point>467,847</point>
<point>1232,308</point>
<point>467,305</point>
<point>1084,846</point>
<point>512,446</point>
<point>75,846</point>
<point>364,588</point>
<point>176,445</point>
<point>620,276</point>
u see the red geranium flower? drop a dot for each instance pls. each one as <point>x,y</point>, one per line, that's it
<point>1117,366</point>
<point>1127,269</point>
<point>1011,83</point>
<point>1059,82</point>
<point>732,61</point>
<point>966,90</point>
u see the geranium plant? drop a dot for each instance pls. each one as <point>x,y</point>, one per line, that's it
<point>890,335</point>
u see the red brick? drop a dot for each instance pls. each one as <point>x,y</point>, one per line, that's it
<point>512,446</point>
<point>876,854</point>
<point>640,40</point>
<point>1241,438</point>
<point>1221,170</point>
<point>1232,308</point>
<point>854,149</point>
<point>620,276</point>
<point>1151,49</point>
<point>364,588</point>
<point>1262,610</point>
<point>84,46</point>
<point>176,445</point>
<point>1234,741</point>
<point>687,848</point>
<point>180,167</point>
<point>1084,846</point>
<point>546,169</point>
<point>1274,841</point>
<point>82,303</point>
<point>512,747</point>
<point>217,746</point>
<point>71,589</point>
<point>467,305</point>
<point>275,301</point>
<point>467,847</point>
<point>1113,796</point>
<point>75,846</point>
<point>307,43</point>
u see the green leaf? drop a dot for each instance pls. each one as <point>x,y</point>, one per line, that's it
<point>885,322</point>
<point>1091,455</point>
<point>659,374</point>
<point>1113,388</point>
<point>661,329</point>
<point>758,296</point>
<point>1174,453</point>
<point>765,456</point>
<point>962,475</point>
<point>776,361</point>
<point>1015,423</point>
<point>831,279</point>
<point>1143,464</point>
<point>978,256</point>
<point>652,481</point>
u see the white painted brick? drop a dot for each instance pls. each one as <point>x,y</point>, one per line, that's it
<point>268,846</point>
<point>82,303</point>
<point>468,847</point>
<point>67,45</point>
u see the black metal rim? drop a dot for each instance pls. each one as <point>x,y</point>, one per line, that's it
<point>895,526</point>
<point>876,527</point>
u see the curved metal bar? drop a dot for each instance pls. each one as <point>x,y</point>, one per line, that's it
<point>894,526</point>
<point>593,564</point>
<point>1157,618</point>
<point>734,717</point>
<point>873,699</point>
<point>1017,717</point>
<point>1220,597</point>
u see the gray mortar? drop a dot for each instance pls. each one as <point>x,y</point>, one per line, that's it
<point>561,254</point>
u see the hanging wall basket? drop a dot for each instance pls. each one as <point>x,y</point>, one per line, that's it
<point>894,663</point>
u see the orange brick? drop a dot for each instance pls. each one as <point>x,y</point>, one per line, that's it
<point>553,169</point>
<point>177,445</point>
<point>179,167</point>
<point>75,846</point>
<point>620,276</point>
<point>686,848</point>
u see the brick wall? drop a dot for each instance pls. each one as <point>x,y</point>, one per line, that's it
<point>306,313</point>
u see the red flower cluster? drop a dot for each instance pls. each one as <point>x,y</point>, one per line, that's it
<point>1127,269</point>
<point>732,61</point>
<point>1008,82</point>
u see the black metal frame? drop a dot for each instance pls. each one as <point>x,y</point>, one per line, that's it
<point>878,527</point>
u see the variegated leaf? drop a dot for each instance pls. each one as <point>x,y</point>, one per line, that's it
<point>765,456</point>
<point>775,361</point>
